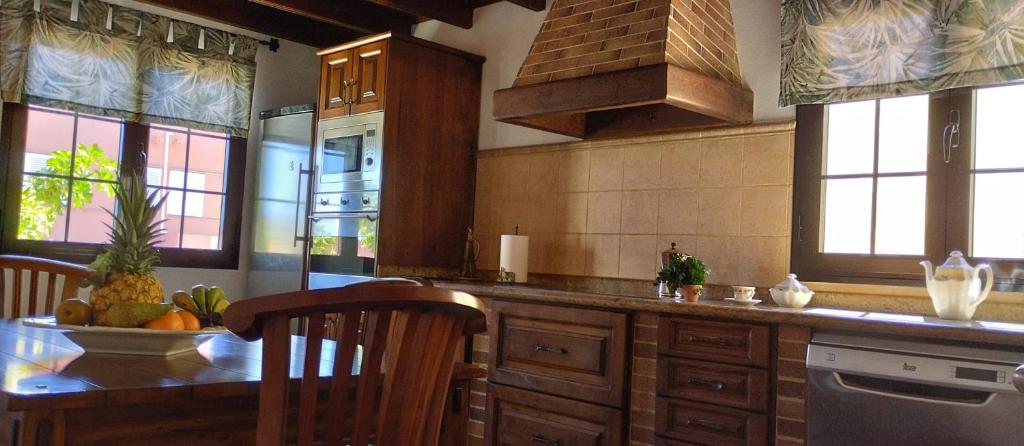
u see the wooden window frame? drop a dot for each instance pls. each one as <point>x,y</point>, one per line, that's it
<point>134,140</point>
<point>947,210</point>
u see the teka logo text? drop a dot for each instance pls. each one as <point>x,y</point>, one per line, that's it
<point>909,368</point>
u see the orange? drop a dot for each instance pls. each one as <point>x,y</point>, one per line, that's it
<point>190,320</point>
<point>169,321</point>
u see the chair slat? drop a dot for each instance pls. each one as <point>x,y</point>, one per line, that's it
<point>273,415</point>
<point>344,356</point>
<point>33,292</point>
<point>378,323</point>
<point>310,380</point>
<point>3,291</point>
<point>51,292</point>
<point>16,296</point>
<point>35,302</point>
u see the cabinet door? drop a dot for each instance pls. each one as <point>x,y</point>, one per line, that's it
<point>370,65</point>
<point>335,94</point>
<point>518,417</point>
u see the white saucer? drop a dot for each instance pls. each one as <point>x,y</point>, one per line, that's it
<point>743,302</point>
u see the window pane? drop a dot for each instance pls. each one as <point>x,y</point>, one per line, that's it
<point>848,216</point>
<point>89,218</point>
<point>998,219</point>
<point>903,134</point>
<point>999,136</point>
<point>172,224</point>
<point>899,226</point>
<point>851,138</point>
<point>166,151</point>
<point>207,157</point>
<point>99,162</point>
<point>43,201</point>
<point>46,133</point>
<point>203,227</point>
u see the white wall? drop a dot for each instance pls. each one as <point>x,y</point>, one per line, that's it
<point>503,32</point>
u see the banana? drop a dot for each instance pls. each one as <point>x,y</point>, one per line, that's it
<point>199,295</point>
<point>184,300</point>
<point>213,296</point>
<point>220,306</point>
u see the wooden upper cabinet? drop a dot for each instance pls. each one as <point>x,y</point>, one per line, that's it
<point>370,67</point>
<point>352,80</point>
<point>335,76</point>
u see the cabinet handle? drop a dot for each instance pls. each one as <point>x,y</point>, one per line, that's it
<point>344,202</point>
<point>538,438</point>
<point>325,201</point>
<point>715,385</point>
<point>713,340</point>
<point>366,201</point>
<point>352,94</point>
<point>705,424</point>
<point>344,93</point>
<point>547,349</point>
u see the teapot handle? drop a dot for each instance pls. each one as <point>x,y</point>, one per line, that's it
<point>988,284</point>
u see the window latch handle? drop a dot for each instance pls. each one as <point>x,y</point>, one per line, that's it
<point>951,135</point>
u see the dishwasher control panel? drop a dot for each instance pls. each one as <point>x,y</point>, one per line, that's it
<point>921,367</point>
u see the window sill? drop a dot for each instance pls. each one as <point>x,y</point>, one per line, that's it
<point>895,291</point>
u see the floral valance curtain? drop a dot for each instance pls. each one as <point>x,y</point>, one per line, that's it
<point>839,50</point>
<point>99,58</point>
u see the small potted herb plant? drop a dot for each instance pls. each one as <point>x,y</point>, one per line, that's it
<point>683,275</point>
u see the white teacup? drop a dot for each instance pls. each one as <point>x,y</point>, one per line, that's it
<point>743,292</point>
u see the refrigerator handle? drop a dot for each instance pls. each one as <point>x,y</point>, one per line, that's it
<point>300,223</point>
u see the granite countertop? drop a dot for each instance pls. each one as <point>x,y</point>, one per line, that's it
<point>999,332</point>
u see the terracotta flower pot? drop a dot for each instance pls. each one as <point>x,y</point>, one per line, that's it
<point>692,292</point>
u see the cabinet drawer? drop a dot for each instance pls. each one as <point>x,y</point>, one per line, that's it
<point>714,341</point>
<point>571,352</point>
<point>726,385</point>
<point>519,417</point>
<point>709,425</point>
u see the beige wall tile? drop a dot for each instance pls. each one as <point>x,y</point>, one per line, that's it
<point>766,210</point>
<point>576,168</point>
<point>542,214</point>
<point>544,174</point>
<point>604,212</point>
<point>510,213</point>
<point>641,167</point>
<point>680,164</point>
<point>721,256</point>
<point>568,254</point>
<point>602,255</point>
<point>509,184</point>
<point>764,261</point>
<point>541,247</point>
<point>768,159</point>
<point>638,257</point>
<point>606,170</point>
<point>489,247</point>
<point>720,211</point>
<point>486,177</point>
<point>572,213</point>
<point>640,212</point>
<point>677,211</point>
<point>484,217</point>
<point>721,162</point>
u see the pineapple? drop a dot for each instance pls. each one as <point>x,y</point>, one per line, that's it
<point>124,272</point>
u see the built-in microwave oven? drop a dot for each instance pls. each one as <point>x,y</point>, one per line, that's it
<point>348,153</point>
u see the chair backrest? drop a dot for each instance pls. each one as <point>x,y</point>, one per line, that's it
<point>411,336</point>
<point>61,282</point>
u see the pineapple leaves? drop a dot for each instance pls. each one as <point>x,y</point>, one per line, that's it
<point>134,234</point>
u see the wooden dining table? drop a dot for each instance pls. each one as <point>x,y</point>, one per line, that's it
<point>52,393</point>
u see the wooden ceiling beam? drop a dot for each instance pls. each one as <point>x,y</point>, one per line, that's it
<point>352,14</point>
<point>263,19</point>
<point>535,5</point>
<point>454,12</point>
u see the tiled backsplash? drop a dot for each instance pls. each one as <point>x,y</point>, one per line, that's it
<point>606,208</point>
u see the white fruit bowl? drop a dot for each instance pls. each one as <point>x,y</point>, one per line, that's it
<point>129,341</point>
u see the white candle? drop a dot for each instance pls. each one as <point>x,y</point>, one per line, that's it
<point>515,250</point>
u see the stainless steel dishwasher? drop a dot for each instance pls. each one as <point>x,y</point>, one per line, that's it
<point>880,391</point>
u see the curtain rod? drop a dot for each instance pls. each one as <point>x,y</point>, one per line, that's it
<point>273,44</point>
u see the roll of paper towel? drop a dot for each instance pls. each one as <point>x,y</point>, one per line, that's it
<point>515,250</point>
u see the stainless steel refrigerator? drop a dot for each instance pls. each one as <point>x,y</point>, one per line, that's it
<point>279,218</point>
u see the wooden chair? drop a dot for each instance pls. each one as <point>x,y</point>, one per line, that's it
<point>37,301</point>
<point>399,395</point>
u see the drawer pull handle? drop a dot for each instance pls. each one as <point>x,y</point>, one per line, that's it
<point>547,349</point>
<point>538,438</point>
<point>714,340</point>
<point>716,385</point>
<point>705,424</point>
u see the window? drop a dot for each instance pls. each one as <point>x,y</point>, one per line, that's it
<point>882,184</point>
<point>62,167</point>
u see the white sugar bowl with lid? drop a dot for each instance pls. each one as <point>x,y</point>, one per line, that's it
<point>791,293</point>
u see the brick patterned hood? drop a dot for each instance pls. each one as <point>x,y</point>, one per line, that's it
<point>617,67</point>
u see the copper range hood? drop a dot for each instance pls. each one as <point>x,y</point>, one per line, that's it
<point>602,68</point>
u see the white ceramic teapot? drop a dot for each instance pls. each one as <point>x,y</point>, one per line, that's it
<point>955,287</point>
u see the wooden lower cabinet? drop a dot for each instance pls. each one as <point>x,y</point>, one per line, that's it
<point>708,424</point>
<point>722,384</point>
<point>520,417</point>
